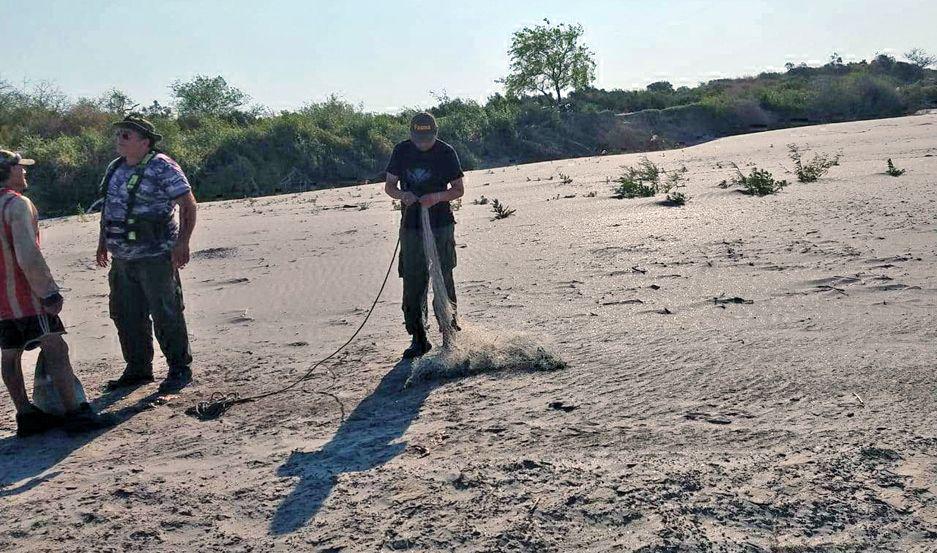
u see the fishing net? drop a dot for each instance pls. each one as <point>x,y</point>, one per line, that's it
<point>472,350</point>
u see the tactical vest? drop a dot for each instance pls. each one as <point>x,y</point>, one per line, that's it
<point>133,228</point>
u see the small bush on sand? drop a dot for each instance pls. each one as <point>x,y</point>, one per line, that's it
<point>82,213</point>
<point>759,182</point>
<point>677,197</point>
<point>676,180</point>
<point>500,210</point>
<point>649,179</point>
<point>628,187</point>
<point>814,169</point>
<point>480,201</point>
<point>565,179</point>
<point>648,171</point>
<point>642,181</point>
<point>892,170</point>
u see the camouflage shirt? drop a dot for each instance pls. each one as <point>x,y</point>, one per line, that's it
<point>162,182</point>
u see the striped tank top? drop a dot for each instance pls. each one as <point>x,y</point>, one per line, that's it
<point>16,297</point>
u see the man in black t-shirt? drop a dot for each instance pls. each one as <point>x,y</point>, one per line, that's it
<point>423,173</point>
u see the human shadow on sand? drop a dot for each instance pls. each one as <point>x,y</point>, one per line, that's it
<point>365,440</point>
<point>30,458</point>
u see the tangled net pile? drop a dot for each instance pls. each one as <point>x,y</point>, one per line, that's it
<point>470,350</point>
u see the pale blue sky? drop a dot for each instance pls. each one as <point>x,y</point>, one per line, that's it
<point>389,55</point>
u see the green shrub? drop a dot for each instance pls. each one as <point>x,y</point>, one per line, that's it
<point>787,100</point>
<point>677,197</point>
<point>759,182</point>
<point>648,179</point>
<point>892,170</point>
<point>815,168</point>
<point>500,210</point>
<point>642,181</point>
<point>676,179</point>
<point>628,188</point>
<point>81,212</point>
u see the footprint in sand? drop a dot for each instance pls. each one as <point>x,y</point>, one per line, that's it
<point>214,253</point>
<point>720,418</point>
<point>240,317</point>
<point>222,284</point>
<point>894,287</point>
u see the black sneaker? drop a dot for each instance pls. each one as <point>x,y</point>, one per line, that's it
<point>35,421</point>
<point>175,381</point>
<point>84,419</point>
<point>418,347</point>
<point>129,380</point>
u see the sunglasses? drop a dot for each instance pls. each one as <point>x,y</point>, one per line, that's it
<point>125,135</point>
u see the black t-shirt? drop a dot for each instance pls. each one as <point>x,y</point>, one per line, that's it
<point>424,173</point>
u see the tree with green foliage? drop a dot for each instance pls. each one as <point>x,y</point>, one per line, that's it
<point>156,109</point>
<point>660,86</point>
<point>117,102</point>
<point>549,59</point>
<point>207,97</point>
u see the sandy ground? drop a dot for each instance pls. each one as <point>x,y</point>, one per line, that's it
<point>805,420</point>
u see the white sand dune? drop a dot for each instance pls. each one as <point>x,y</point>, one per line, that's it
<point>803,421</point>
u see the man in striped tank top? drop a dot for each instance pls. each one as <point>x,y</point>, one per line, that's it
<point>30,304</point>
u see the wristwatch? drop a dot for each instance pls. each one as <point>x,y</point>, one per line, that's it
<point>51,299</point>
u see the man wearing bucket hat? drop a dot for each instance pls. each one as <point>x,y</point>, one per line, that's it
<point>30,304</point>
<point>424,173</point>
<point>142,189</point>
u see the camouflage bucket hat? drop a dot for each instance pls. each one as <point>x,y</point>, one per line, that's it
<point>9,159</point>
<point>137,123</point>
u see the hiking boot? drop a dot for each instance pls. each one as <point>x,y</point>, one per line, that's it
<point>419,346</point>
<point>176,380</point>
<point>129,380</point>
<point>34,421</point>
<point>84,419</point>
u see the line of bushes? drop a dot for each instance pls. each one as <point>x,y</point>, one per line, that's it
<point>231,151</point>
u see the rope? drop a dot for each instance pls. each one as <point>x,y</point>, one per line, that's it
<point>218,403</point>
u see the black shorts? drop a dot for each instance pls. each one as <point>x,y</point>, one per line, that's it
<point>25,333</point>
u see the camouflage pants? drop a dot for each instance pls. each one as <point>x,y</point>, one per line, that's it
<point>142,289</point>
<point>413,270</point>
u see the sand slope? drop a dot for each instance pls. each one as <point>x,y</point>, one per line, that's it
<point>805,420</point>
